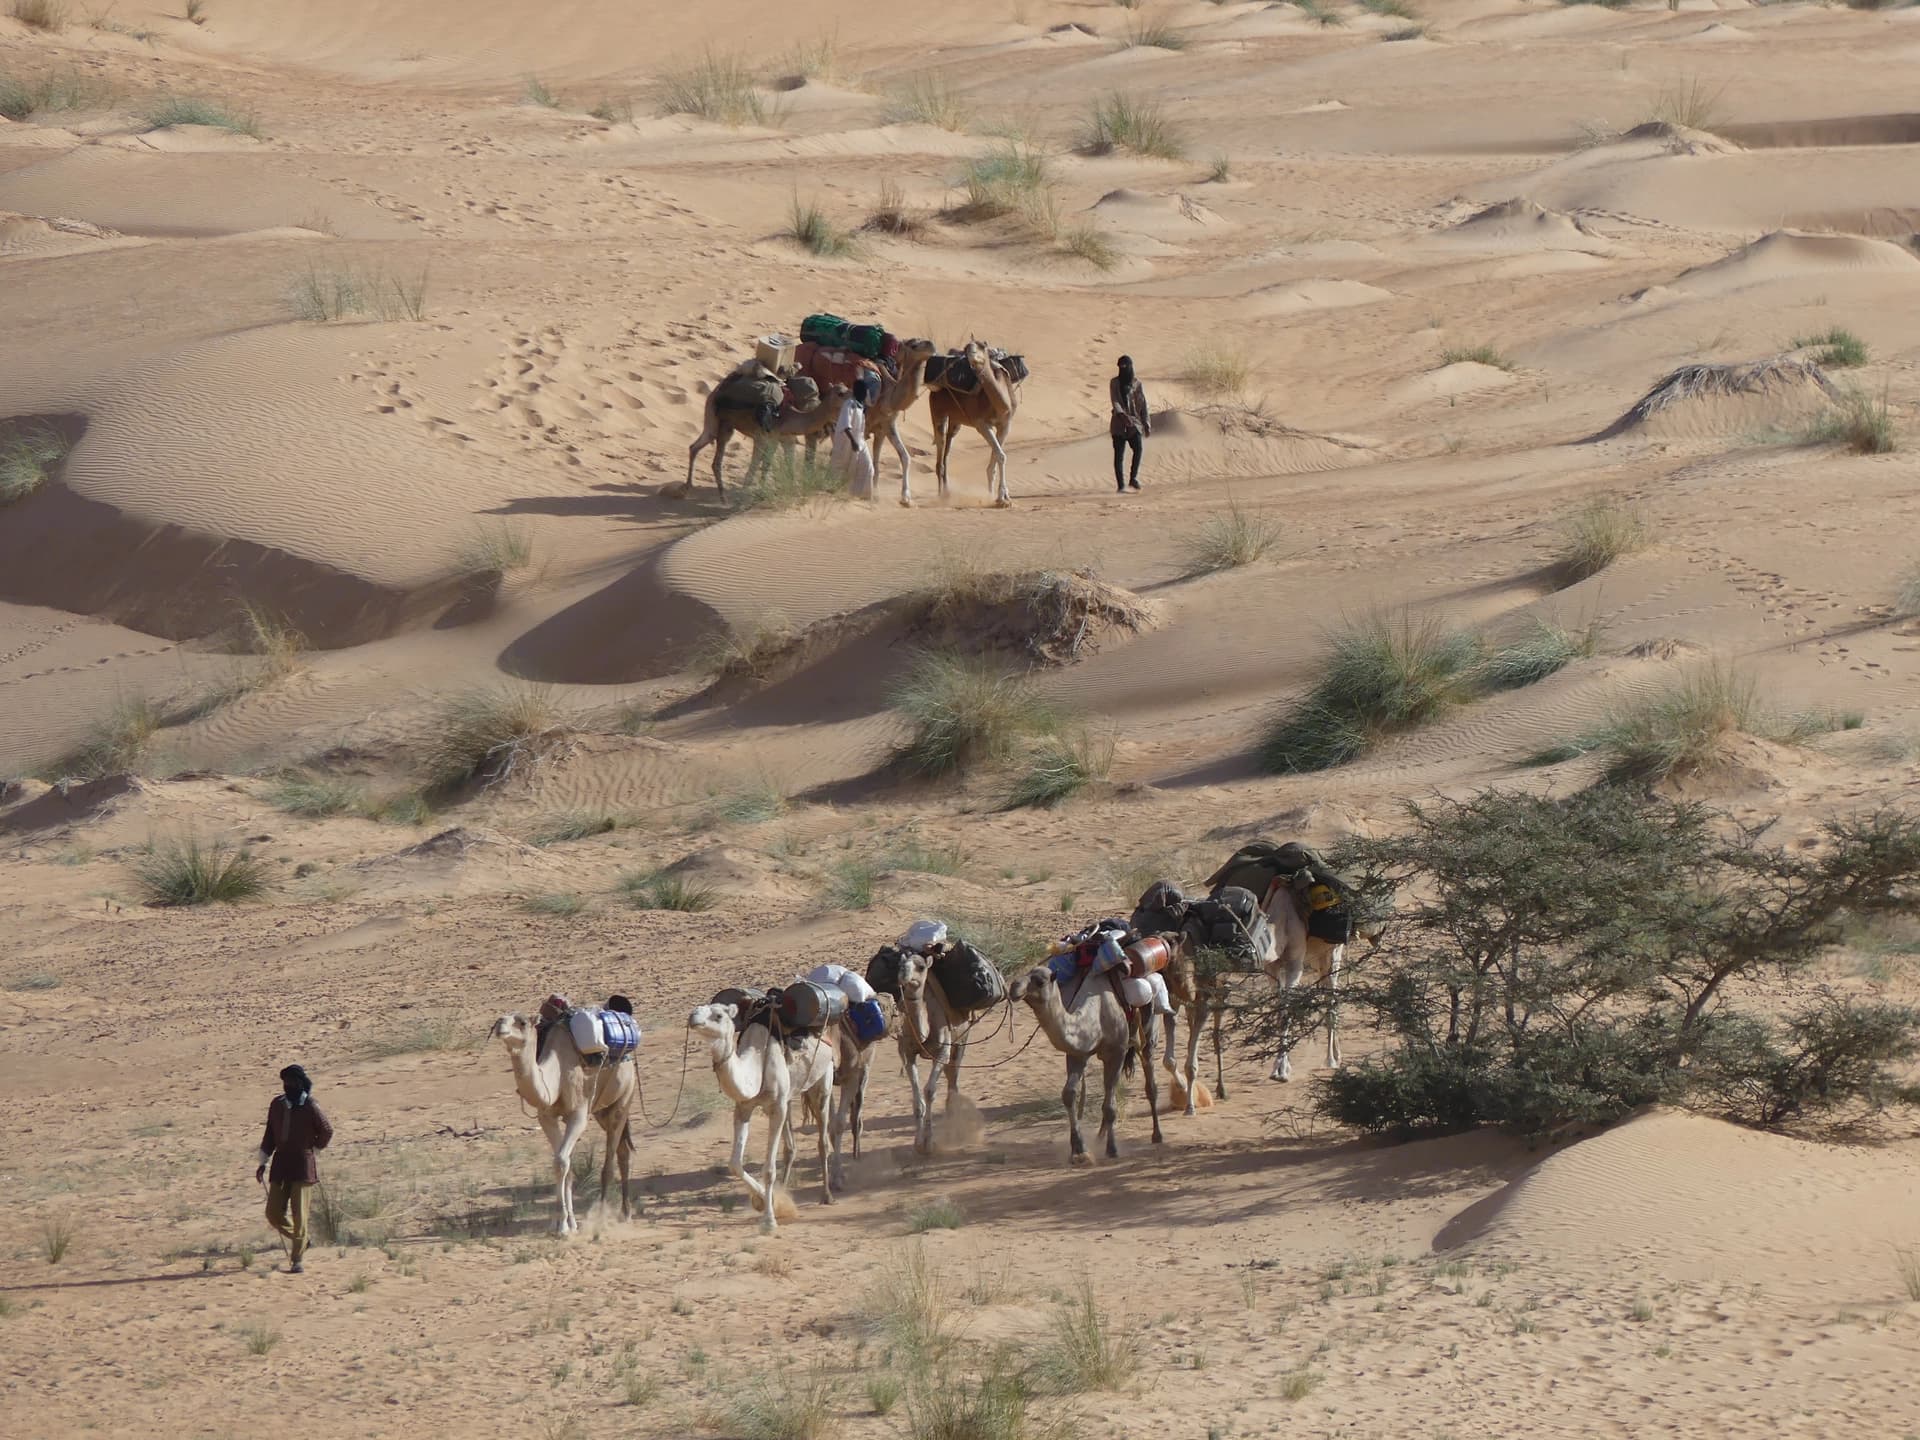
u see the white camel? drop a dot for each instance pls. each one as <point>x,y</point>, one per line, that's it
<point>1295,951</point>
<point>758,1072</point>
<point>932,1028</point>
<point>564,1092</point>
<point>853,1063</point>
<point>1095,1023</point>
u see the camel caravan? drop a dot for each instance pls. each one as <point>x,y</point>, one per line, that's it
<point>850,384</point>
<point>1110,989</point>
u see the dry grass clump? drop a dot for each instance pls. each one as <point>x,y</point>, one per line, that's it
<point>750,650</point>
<point>783,1407</point>
<point>927,100</point>
<point>1405,32</point>
<point>1396,9</point>
<point>200,110</point>
<point>1130,123</point>
<point>1858,421</point>
<point>815,59</point>
<point>316,797</point>
<point>1046,617</point>
<point>718,87</point>
<point>1154,35</point>
<point>1476,355</point>
<point>1228,539</point>
<point>184,872</point>
<point>911,1308</point>
<point>810,229</point>
<point>1086,242</point>
<point>965,711</point>
<point>538,93</point>
<point>1836,348</point>
<point>490,736</point>
<point>1221,170</point>
<point>1216,371</point>
<point>574,825</point>
<point>1697,382</point>
<point>658,890</point>
<point>1597,534</point>
<point>1687,726</point>
<point>28,459</point>
<point>116,745</point>
<point>495,549</point>
<point>562,904</point>
<point>1319,12</point>
<point>47,15</point>
<point>1544,650</point>
<point>1691,104</point>
<point>891,215</point>
<point>1059,767</point>
<point>1906,1260</point>
<point>1906,594</point>
<point>57,1234</point>
<point>1085,1354</point>
<point>762,798</point>
<point>1010,179</point>
<point>320,296</point>
<point>789,479</point>
<point>1384,675</point>
<point>422,1035</point>
<point>940,1214</point>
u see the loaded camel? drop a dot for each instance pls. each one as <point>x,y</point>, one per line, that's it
<point>758,1072</point>
<point>808,423</point>
<point>1201,999</point>
<point>932,1028</point>
<point>897,397</point>
<point>1296,949</point>
<point>853,1063</point>
<point>1096,1023</point>
<point>564,1092</point>
<point>988,407</point>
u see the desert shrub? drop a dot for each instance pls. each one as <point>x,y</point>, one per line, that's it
<point>850,885</point>
<point>574,825</point>
<point>200,110</point>
<point>27,461</point>
<point>1085,1352</point>
<point>1154,35</point>
<point>537,92</point>
<point>1600,532</point>
<point>936,1215</point>
<point>1383,675</point>
<point>1010,179</point>
<point>561,904</point>
<point>1088,243</point>
<point>1320,12</point>
<point>1059,767</point>
<point>891,215</point>
<point>764,797</point>
<point>810,229</point>
<point>657,890</point>
<point>1687,725</point>
<point>57,1234</point>
<point>1216,372</point>
<point>1835,347</point>
<point>1476,355</point>
<point>1858,421</point>
<point>1228,539</point>
<point>185,872</point>
<point>1560,962</point>
<point>48,15</point>
<point>1545,649</point>
<point>963,711</point>
<point>815,59</point>
<point>488,736</point>
<point>718,87</point>
<point>927,100</point>
<point>789,478</point>
<point>784,1406</point>
<point>319,296</point>
<point>115,744</point>
<point>1127,122</point>
<point>1906,594</point>
<point>910,1307</point>
<point>1690,103</point>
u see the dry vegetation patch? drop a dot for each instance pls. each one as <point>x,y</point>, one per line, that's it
<point>1046,617</point>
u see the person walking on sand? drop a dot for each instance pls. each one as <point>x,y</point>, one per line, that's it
<point>1130,425</point>
<point>296,1131</point>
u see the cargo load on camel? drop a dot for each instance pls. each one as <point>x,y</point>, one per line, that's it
<point>1324,898</point>
<point>951,371</point>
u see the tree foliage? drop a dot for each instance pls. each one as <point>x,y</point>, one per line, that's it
<point>1555,962</point>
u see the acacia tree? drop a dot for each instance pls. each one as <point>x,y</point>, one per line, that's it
<point>1543,962</point>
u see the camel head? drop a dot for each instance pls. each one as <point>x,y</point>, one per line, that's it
<point>1032,986</point>
<point>914,970</point>
<point>978,358</point>
<point>714,1022</point>
<point>516,1032</point>
<point>917,349</point>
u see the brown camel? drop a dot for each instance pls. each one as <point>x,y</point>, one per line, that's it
<point>896,399</point>
<point>1093,1022</point>
<point>720,423</point>
<point>988,408</point>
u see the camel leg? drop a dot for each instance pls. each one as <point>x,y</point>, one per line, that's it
<point>942,443</point>
<point>626,1170</point>
<point>997,467</point>
<point>829,1152</point>
<point>737,1161</point>
<point>1219,1051</point>
<point>923,1108</point>
<point>1153,1081</point>
<point>956,1052</point>
<point>707,437</point>
<point>1111,1067</point>
<point>776,1128</point>
<point>607,1163</point>
<point>1334,957</point>
<point>922,1126</point>
<point>844,1099</point>
<point>1287,970</point>
<point>1196,1020</point>
<point>563,1168</point>
<point>1070,1101</point>
<point>906,460</point>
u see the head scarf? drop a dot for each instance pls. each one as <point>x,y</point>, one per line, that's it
<point>294,1081</point>
<point>1126,367</point>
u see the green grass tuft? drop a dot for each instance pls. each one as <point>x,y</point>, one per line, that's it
<point>1085,1353</point>
<point>200,110</point>
<point>67,89</point>
<point>1691,104</point>
<point>1545,649</point>
<point>1011,179</point>
<point>783,1407</point>
<point>116,745</point>
<point>938,1215</point>
<point>1154,35</point>
<point>1475,355</point>
<point>562,904</point>
<point>1088,243</point>
<point>810,229</point>
<point>537,93</point>
<point>1217,371</point>
<point>184,872</point>
<point>57,1234</point>
<point>659,891</point>
<point>573,825</point>
<point>315,797</point>
<point>1059,767</point>
<point>850,885</point>
<point>1396,9</point>
<point>1383,675</point>
<point>1836,348</point>
<point>1221,170</point>
<point>319,296</point>
<point>964,711</point>
<point>28,459</point>
<point>1320,12</point>
<point>789,480</point>
<point>1127,122</point>
<point>1688,725</point>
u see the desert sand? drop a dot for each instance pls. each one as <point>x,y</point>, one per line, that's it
<point>1595,196</point>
